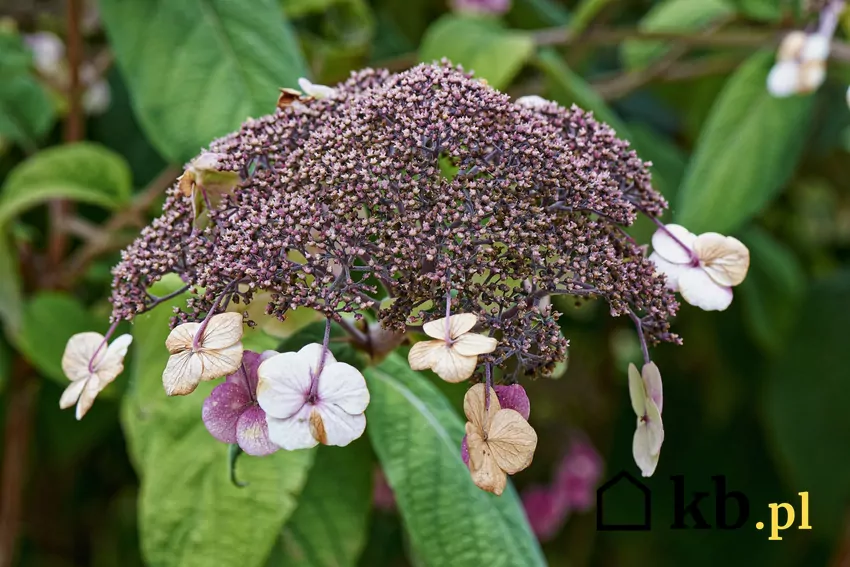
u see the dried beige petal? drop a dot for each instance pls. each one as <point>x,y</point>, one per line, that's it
<point>474,404</point>
<point>181,337</point>
<point>182,373</point>
<point>91,365</point>
<point>458,325</point>
<point>724,258</point>
<point>471,344</point>
<point>220,362</point>
<point>287,97</point>
<point>483,469</point>
<point>512,441</point>
<point>423,354</point>
<point>223,330</point>
<point>451,366</point>
<point>218,353</point>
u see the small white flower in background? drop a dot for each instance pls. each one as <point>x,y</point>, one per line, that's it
<point>453,355</point>
<point>48,52</point>
<point>647,398</point>
<point>97,95</point>
<point>306,405</point>
<point>217,353</point>
<point>800,64</point>
<point>848,96</point>
<point>315,91</point>
<point>499,441</point>
<point>91,366</point>
<point>702,268</point>
<point>533,101</point>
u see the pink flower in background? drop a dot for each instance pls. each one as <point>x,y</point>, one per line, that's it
<point>546,509</point>
<point>573,490</point>
<point>578,475</point>
<point>481,6</point>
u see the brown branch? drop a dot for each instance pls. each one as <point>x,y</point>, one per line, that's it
<point>107,239</point>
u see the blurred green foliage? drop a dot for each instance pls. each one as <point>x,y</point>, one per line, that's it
<point>759,393</point>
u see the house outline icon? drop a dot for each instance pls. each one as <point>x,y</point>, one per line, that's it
<point>647,505</point>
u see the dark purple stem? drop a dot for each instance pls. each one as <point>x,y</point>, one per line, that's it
<point>643,347</point>
<point>199,336</point>
<point>488,381</point>
<point>102,344</point>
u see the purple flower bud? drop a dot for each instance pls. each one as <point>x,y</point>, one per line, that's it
<point>464,451</point>
<point>514,397</point>
<point>231,413</point>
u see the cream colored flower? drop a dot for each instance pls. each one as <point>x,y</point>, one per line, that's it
<point>315,91</point>
<point>217,353</point>
<point>647,400</point>
<point>703,268</point>
<point>91,366</point>
<point>453,355</point>
<point>306,405</point>
<point>800,64</point>
<point>500,441</point>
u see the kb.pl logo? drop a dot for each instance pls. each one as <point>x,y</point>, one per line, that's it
<point>691,509</point>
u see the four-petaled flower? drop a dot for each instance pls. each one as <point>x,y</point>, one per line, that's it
<point>231,412</point>
<point>500,441</point>
<point>510,396</point>
<point>90,366</point>
<point>647,401</point>
<point>453,355</point>
<point>202,352</point>
<point>310,398</point>
<point>702,268</point>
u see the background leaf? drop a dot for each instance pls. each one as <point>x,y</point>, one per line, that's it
<point>26,112</point>
<point>807,399</point>
<point>671,16</point>
<point>721,191</point>
<point>83,172</point>
<point>452,523</point>
<point>190,513</point>
<point>198,68</point>
<point>10,286</point>
<point>329,526</point>
<point>774,289</point>
<point>49,320</point>
<point>480,45</point>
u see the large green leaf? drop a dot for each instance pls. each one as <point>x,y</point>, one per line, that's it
<point>671,16</point>
<point>451,522</point>
<point>807,401</point>
<point>748,148</point>
<point>481,45</point>
<point>773,291</point>
<point>330,524</point>
<point>198,68</point>
<point>84,171</point>
<point>49,320</point>
<point>190,513</point>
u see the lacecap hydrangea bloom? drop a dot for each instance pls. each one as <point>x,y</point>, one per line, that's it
<point>425,197</point>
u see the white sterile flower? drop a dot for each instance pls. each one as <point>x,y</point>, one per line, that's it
<point>48,52</point>
<point>453,355</point>
<point>306,405</point>
<point>812,76</point>
<point>315,91</point>
<point>783,79</point>
<point>792,45</point>
<point>533,101</point>
<point>217,353</point>
<point>91,366</point>
<point>816,48</point>
<point>702,268</point>
<point>647,398</point>
<point>847,96</point>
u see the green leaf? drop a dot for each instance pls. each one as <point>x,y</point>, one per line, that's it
<point>10,286</point>
<point>49,320</point>
<point>766,10</point>
<point>721,190</point>
<point>84,171</point>
<point>26,112</point>
<point>329,526</point>
<point>481,45</point>
<point>772,294</point>
<point>451,522</point>
<point>197,69</point>
<point>671,16</point>
<point>807,397</point>
<point>5,364</point>
<point>190,514</point>
<point>567,88</point>
<point>668,160</point>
